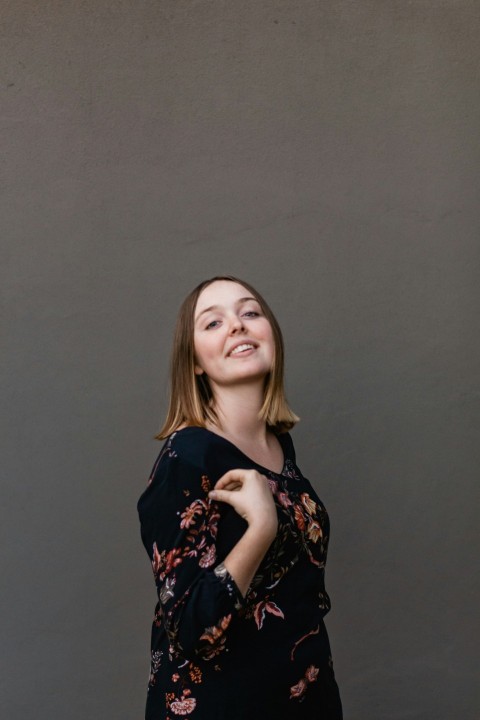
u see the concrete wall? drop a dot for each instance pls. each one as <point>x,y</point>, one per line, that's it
<point>328,153</point>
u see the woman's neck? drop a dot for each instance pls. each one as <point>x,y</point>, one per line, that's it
<point>237,409</point>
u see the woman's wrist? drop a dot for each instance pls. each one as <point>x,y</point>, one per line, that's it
<point>243,560</point>
<point>264,530</point>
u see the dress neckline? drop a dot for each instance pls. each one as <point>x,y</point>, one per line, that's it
<point>231,444</point>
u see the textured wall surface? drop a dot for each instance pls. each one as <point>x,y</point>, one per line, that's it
<point>328,153</point>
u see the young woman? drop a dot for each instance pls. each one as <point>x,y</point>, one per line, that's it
<point>236,534</point>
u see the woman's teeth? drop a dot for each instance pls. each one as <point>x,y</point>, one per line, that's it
<point>241,348</point>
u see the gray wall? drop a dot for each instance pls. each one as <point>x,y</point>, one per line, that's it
<point>328,153</point>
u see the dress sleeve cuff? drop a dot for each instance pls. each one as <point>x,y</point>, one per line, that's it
<point>232,588</point>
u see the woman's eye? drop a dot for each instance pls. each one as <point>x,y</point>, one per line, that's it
<point>210,324</point>
<point>251,312</point>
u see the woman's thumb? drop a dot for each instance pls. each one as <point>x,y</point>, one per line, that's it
<point>221,495</point>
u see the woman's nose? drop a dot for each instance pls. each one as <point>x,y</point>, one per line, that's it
<point>236,324</point>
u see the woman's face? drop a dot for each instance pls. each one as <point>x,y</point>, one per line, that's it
<point>226,318</point>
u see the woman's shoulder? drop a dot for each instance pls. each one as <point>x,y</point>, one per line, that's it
<point>195,446</point>
<point>179,472</point>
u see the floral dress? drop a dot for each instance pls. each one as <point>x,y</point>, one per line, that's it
<point>216,655</point>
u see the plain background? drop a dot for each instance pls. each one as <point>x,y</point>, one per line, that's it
<point>326,152</point>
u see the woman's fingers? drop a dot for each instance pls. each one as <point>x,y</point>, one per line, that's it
<point>229,486</point>
<point>233,486</point>
<point>221,495</point>
<point>226,487</point>
<point>248,492</point>
<point>236,476</point>
<point>229,482</point>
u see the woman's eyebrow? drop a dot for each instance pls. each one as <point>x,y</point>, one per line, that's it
<point>215,307</point>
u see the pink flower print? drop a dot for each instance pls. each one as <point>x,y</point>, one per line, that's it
<point>284,500</point>
<point>266,606</point>
<point>273,485</point>
<point>166,591</point>
<point>206,484</point>
<point>311,673</point>
<point>212,523</point>
<point>296,691</point>
<point>188,516</point>
<point>194,551</point>
<point>155,665</point>
<point>209,557</point>
<point>183,706</point>
<point>309,504</point>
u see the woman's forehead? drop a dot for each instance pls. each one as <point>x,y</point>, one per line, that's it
<point>221,292</point>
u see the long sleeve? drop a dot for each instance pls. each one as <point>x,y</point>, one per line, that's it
<point>198,598</point>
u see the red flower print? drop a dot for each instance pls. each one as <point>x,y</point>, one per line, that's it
<point>314,531</point>
<point>311,673</point>
<point>195,673</point>
<point>172,559</point>
<point>304,637</point>
<point>206,484</point>
<point>183,706</point>
<point>299,517</point>
<point>212,634</point>
<point>157,559</point>
<point>196,508</point>
<point>309,504</point>
<point>215,635</point>
<point>266,606</point>
<point>164,562</point>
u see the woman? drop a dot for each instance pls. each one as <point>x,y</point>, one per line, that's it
<point>236,535</point>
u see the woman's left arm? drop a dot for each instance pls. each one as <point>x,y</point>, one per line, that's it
<point>198,597</point>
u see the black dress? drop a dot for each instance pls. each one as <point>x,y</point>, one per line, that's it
<point>214,654</point>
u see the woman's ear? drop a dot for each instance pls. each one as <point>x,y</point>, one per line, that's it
<point>198,370</point>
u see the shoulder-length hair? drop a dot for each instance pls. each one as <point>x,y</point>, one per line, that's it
<point>191,398</point>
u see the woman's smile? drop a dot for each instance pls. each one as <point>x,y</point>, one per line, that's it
<point>242,347</point>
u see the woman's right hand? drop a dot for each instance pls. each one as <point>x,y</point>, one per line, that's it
<point>248,492</point>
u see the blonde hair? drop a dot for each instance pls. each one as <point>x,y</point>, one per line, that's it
<point>191,399</point>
